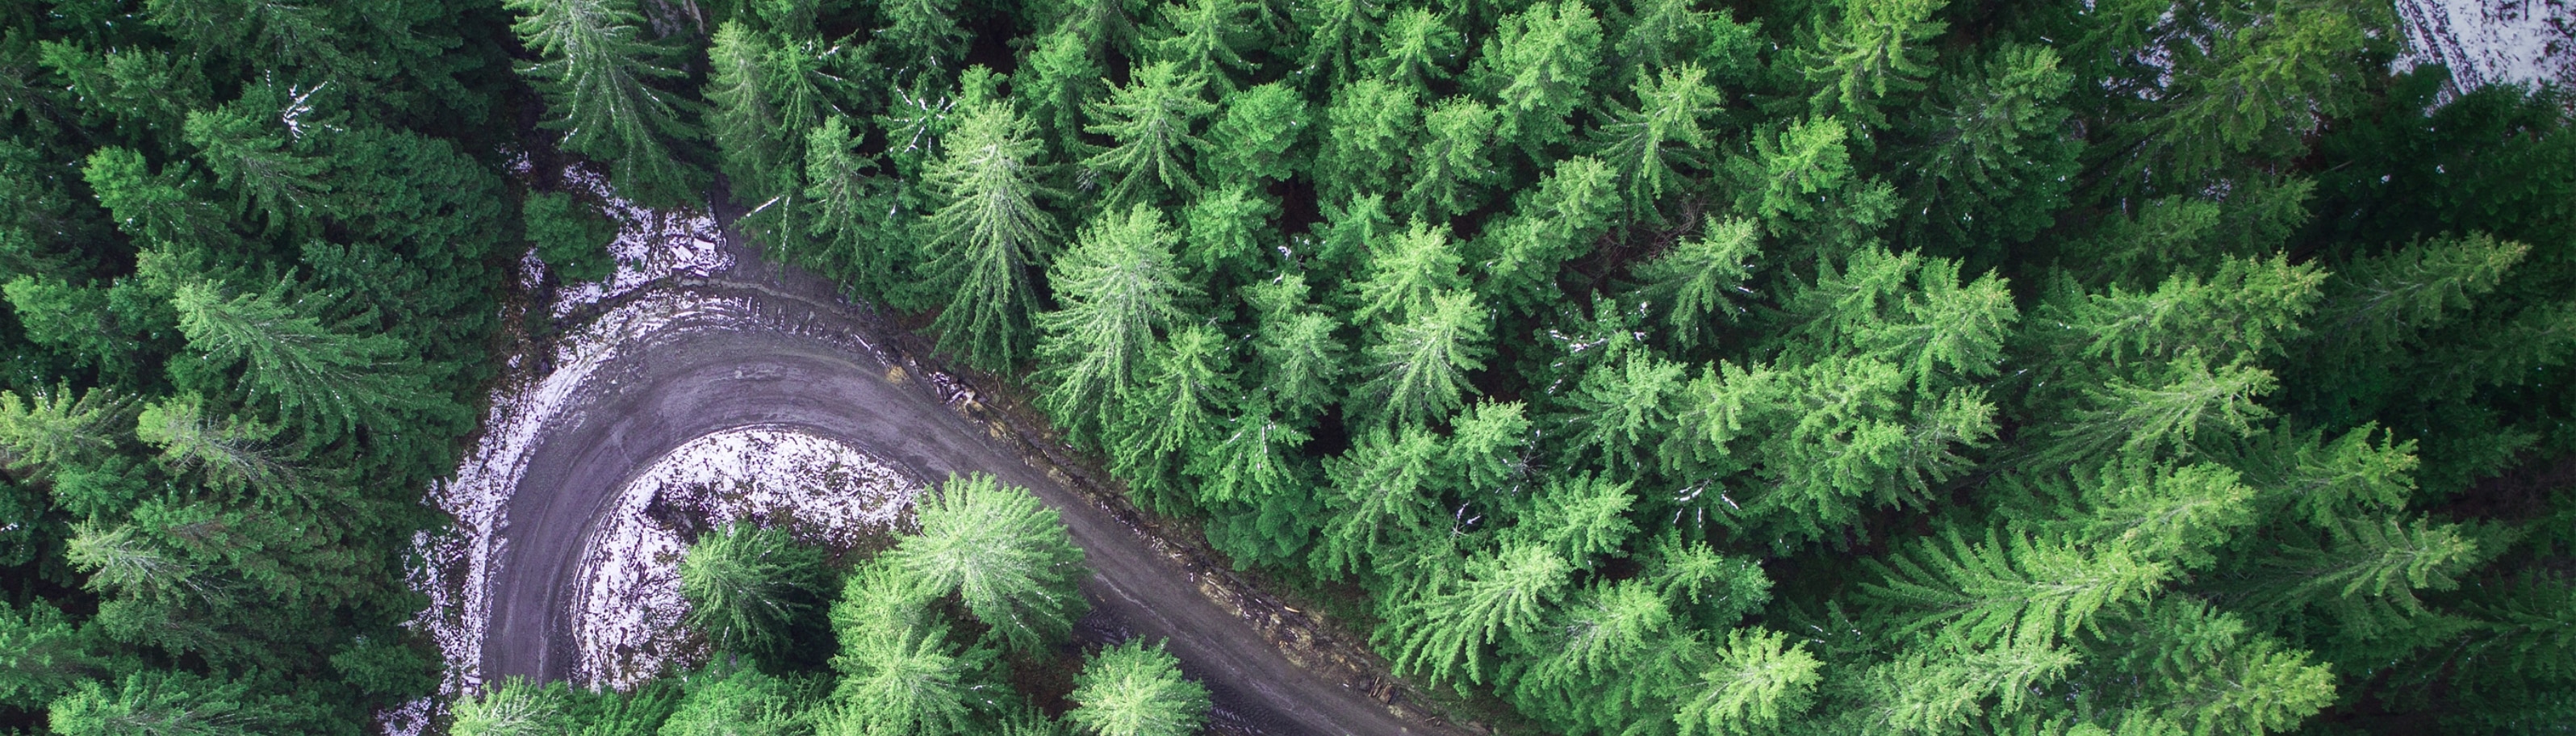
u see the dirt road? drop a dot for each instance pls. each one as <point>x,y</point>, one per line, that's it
<point>688,383</point>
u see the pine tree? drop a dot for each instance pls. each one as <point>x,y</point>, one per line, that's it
<point>1005,555</point>
<point>1175,414</point>
<point>1227,231</point>
<point>1755,680</point>
<point>49,429</point>
<point>1701,281</point>
<point>1405,275</point>
<point>256,162</point>
<point>990,230</point>
<point>171,703</point>
<point>1620,410</point>
<point>1606,636</point>
<point>1053,83</point>
<point>1580,518</point>
<point>743,702</point>
<point>1301,360</point>
<point>1418,368</point>
<point>1655,144</point>
<point>1538,65</point>
<point>1368,124</point>
<point>921,39</point>
<point>43,655</point>
<point>908,680</point>
<point>1149,121</point>
<point>747,586</point>
<point>1880,47</point>
<point>1996,162</point>
<point>1260,137</point>
<point>1503,594</point>
<point>598,76</point>
<point>2011,591</point>
<point>1791,169</point>
<point>232,454</point>
<point>1519,259</point>
<point>326,377</point>
<point>847,208</point>
<point>1135,690</point>
<point>1205,39</point>
<point>1452,166</point>
<point>1417,49</point>
<point>1118,286</point>
<point>1380,500</point>
<point>1339,34</point>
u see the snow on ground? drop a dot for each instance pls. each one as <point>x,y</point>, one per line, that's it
<point>651,244</point>
<point>825,492</point>
<point>2487,41</point>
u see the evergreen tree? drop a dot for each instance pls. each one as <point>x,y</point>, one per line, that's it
<point>1135,690</point>
<point>1755,680</point>
<point>1339,34</point>
<point>1500,595</point>
<point>1880,47</point>
<point>1175,413</point>
<point>747,586</point>
<point>1417,369</point>
<point>1260,136</point>
<point>598,75</point>
<point>743,702</point>
<point>1149,122</point>
<point>1452,166</point>
<point>989,231</point>
<point>1701,281</point>
<point>1204,39</point>
<point>1001,552</point>
<point>1652,144</point>
<point>327,377</point>
<point>1369,124</point>
<point>1538,66</point>
<point>1417,49</point>
<point>1118,286</point>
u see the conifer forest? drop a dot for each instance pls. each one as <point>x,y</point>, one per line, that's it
<point>1606,367</point>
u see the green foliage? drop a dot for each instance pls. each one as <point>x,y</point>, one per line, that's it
<point>991,231</point>
<point>1756,679</point>
<point>1417,369</point>
<point>1657,144</point>
<point>1149,121</point>
<point>326,377</point>
<point>740,703</point>
<point>570,237</point>
<point>1135,690</point>
<point>1539,65</point>
<point>1117,287</point>
<point>1880,47</point>
<point>1452,624</point>
<point>598,75</point>
<point>747,586</point>
<point>1008,558</point>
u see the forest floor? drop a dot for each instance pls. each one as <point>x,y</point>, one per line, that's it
<point>741,342</point>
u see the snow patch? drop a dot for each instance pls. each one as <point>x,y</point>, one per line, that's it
<point>2492,41</point>
<point>824,492</point>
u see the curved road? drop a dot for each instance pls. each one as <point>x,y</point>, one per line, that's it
<point>689,383</point>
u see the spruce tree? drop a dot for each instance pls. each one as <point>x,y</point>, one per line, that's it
<point>1007,557</point>
<point>1149,122</point>
<point>989,229</point>
<point>599,76</point>
<point>1136,690</point>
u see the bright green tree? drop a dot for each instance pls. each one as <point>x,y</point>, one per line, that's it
<point>1136,690</point>
<point>1658,143</point>
<point>1149,121</point>
<point>1879,47</point>
<point>1539,66</point>
<point>1118,286</point>
<point>1005,555</point>
<point>1499,595</point>
<point>747,587</point>
<point>990,230</point>
<point>1417,369</point>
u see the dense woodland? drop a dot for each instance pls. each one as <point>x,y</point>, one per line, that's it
<point>1631,367</point>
